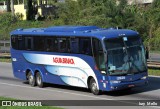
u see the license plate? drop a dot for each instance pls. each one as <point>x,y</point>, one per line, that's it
<point>130,85</point>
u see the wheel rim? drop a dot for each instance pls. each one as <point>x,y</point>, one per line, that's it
<point>94,87</point>
<point>39,80</point>
<point>30,79</point>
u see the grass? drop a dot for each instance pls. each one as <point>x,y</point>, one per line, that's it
<point>154,51</point>
<point>5,60</point>
<point>25,107</point>
<point>155,72</point>
<point>5,57</point>
<point>4,98</point>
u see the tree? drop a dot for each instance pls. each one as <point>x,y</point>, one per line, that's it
<point>8,5</point>
<point>152,16</point>
<point>69,11</point>
<point>30,10</point>
<point>12,7</point>
<point>156,4</point>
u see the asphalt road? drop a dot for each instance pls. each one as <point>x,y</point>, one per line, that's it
<point>15,88</point>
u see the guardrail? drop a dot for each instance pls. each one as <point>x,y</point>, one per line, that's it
<point>4,46</point>
<point>5,55</point>
<point>153,64</point>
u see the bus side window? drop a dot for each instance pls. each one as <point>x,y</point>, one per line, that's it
<point>21,41</point>
<point>64,45</point>
<point>85,46</point>
<point>14,42</point>
<point>29,43</point>
<point>39,43</point>
<point>17,42</point>
<point>55,44</point>
<point>49,46</point>
<point>98,54</point>
<point>74,42</point>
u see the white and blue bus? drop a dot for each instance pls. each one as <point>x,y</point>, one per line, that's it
<point>83,56</point>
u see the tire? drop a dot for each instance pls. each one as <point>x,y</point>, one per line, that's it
<point>39,80</point>
<point>31,79</point>
<point>93,87</point>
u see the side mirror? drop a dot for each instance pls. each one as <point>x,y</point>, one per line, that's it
<point>147,52</point>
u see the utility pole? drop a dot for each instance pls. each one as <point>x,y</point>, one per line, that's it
<point>12,7</point>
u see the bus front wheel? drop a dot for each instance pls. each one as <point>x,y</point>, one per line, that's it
<point>39,80</point>
<point>31,79</point>
<point>93,87</point>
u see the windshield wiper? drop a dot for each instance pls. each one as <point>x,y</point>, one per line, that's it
<point>127,54</point>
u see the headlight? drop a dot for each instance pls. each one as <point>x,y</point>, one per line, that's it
<point>145,77</point>
<point>115,82</point>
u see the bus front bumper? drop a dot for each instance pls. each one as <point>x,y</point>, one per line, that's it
<point>126,85</point>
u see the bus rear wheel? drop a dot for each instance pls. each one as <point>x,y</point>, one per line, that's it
<point>31,79</point>
<point>93,87</point>
<point>39,80</point>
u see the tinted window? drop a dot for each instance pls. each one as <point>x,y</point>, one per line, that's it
<point>18,42</point>
<point>49,44</point>
<point>118,42</point>
<point>14,42</point>
<point>55,44</point>
<point>39,43</point>
<point>85,46</point>
<point>64,45</point>
<point>114,43</point>
<point>74,45</point>
<point>21,41</point>
<point>132,41</point>
<point>77,45</point>
<point>29,43</point>
<point>98,54</point>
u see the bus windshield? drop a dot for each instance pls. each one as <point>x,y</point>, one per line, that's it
<point>125,55</point>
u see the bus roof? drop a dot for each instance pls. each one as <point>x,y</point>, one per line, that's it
<point>82,31</point>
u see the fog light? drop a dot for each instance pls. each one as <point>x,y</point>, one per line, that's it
<point>104,85</point>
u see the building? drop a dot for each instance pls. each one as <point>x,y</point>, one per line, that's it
<point>139,2</point>
<point>3,7</point>
<point>42,7</point>
<point>19,8</point>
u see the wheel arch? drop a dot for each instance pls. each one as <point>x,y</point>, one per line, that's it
<point>27,71</point>
<point>40,72</point>
<point>88,81</point>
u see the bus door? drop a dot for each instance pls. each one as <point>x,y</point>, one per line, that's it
<point>98,54</point>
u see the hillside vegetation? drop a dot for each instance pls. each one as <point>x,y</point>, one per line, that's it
<point>102,13</point>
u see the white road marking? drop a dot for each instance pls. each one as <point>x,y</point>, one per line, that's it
<point>155,107</point>
<point>100,98</point>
